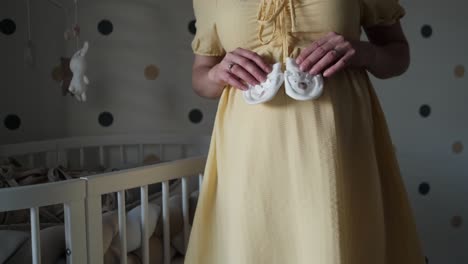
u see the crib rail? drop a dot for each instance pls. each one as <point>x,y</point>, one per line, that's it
<point>95,141</point>
<point>120,181</point>
<point>83,209</point>
<point>71,194</point>
<point>82,198</point>
<point>56,151</point>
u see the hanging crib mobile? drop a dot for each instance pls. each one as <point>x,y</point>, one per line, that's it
<point>79,82</point>
<point>74,79</point>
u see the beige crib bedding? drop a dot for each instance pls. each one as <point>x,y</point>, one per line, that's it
<point>15,228</point>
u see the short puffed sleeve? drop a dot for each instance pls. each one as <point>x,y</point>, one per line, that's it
<point>380,12</point>
<point>206,41</point>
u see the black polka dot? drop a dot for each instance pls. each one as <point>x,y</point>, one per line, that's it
<point>425,110</point>
<point>424,188</point>
<point>106,119</point>
<point>195,116</point>
<point>457,221</point>
<point>426,31</point>
<point>191,27</point>
<point>105,27</point>
<point>7,26</point>
<point>12,122</point>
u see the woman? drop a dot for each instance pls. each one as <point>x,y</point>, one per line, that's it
<point>296,182</point>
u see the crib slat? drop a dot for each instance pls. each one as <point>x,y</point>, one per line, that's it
<point>184,151</point>
<point>63,158</point>
<point>75,232</point>
<point>185,210</point>
<point>166,226</point>
<point>140,154</point>
<point>144,224</point>
<point>101,156</point>
<point>31,160</point>
<point>200,181</point>
<point>122,226</point>
<point>35,236</point>
<point>94,229</point>
<point>161,151</point>
<point>122,155</point>
<point>57,157</point>
<point>50,159</point>
<point>81,158</point>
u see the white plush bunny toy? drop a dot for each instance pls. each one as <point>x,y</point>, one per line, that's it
<point>79,83</point>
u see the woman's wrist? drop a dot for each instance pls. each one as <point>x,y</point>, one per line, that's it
<point>215,86</point>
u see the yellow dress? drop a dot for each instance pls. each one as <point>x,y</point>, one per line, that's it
<point>299,182</point>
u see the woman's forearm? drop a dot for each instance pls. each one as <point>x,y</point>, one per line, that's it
<point>203,85</point>
<point>388,60</point>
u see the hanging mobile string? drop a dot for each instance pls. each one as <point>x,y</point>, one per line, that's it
<point>28,49</point>
<point>76,27</point>
<point>28,10</point>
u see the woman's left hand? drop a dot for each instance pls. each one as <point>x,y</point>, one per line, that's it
<point>332,53</point>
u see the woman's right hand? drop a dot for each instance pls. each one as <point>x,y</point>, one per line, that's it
<point>248,68</point>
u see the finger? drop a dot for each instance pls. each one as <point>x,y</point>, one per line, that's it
<point>315,57</point>
<point>239,71</point>
<point>340,64</point>
<point>251,67</point>
<point>344,47</point>
<point>308,50</point>
<point>265,67</point>
<point>233,80</point>
<point>337,40</point>
<point>316,51</point>
<point>328,59</point>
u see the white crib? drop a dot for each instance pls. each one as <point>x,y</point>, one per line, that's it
<point>183,158</point>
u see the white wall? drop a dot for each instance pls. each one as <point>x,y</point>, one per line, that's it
<point>156,32</point>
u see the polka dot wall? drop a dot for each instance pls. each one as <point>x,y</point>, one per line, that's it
<point>29,106</point>
<point>141,75</point>
<point>139,65</point>
<point>425,111</point>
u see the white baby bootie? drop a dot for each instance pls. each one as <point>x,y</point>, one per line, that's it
<point>266,90</point>
<point>301,85</point>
